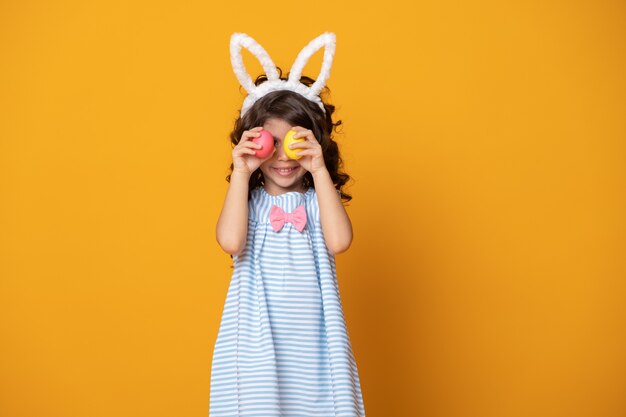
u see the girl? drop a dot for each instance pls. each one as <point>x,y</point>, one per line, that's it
<point>282,348</point>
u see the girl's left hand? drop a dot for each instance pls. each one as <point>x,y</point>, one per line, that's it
<point>312,157</point>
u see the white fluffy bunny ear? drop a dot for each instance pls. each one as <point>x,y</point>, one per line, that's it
<point>327,40</point>
<point>239,40</point>
<point>274,83</point>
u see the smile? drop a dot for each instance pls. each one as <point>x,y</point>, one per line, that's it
<point>285,172</point>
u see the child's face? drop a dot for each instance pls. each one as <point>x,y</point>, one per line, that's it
<point>279,181</point>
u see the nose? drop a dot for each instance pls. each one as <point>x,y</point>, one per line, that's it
<point>280,153</point>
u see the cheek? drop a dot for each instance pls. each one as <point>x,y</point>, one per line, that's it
<point>266,164</point>
<point>264,168</point>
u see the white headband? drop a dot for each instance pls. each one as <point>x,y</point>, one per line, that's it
<point>274,83</point>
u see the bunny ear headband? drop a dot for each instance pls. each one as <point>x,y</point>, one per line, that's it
<point>274,83</point>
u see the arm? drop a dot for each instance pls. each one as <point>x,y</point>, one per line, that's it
<point>336,224</point>
<point>232,225</point>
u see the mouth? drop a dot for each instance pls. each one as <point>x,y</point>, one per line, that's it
<point>285,172</point>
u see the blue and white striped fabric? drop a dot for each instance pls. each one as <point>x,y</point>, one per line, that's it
<point>283,348</point>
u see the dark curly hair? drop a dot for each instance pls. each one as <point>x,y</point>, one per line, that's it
<point>298,111</point>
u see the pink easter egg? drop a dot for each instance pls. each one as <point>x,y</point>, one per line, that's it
<point>266,140</point>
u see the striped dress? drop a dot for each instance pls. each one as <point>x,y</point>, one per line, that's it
<point>282,348</point>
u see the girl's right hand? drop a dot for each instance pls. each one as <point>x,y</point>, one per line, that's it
<point>244,154</point>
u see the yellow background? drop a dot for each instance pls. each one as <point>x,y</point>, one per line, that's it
<point>486,140</point>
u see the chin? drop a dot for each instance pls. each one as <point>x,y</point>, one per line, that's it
<point>287,183</point>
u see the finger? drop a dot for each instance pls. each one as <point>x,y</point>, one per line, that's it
<point>242,151</point>
<point>306,152</point>
<point>305,133</point>
<point>304,144</point>
<point>251,133</point>
<point>299,131</point>
<point>250,144</point>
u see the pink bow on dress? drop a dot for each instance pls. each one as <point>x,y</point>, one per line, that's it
<point>278,217</point>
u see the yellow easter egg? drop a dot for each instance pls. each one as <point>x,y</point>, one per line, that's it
<point>288,140</point>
